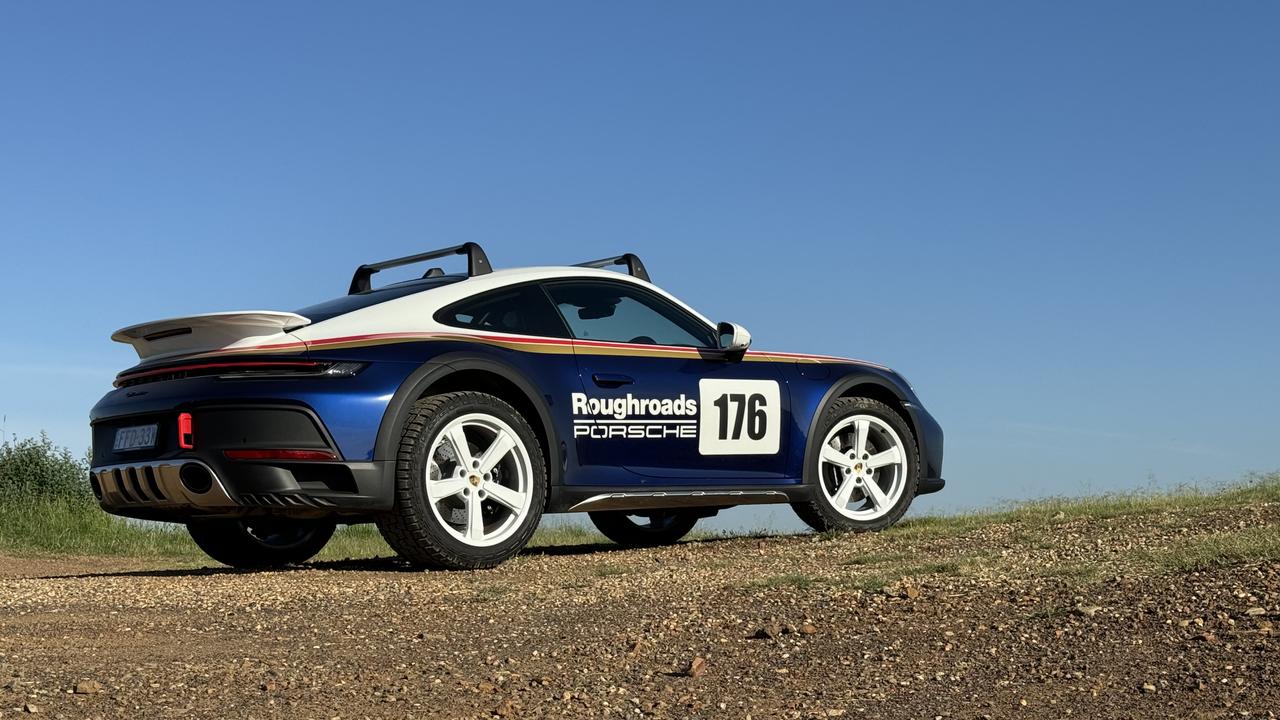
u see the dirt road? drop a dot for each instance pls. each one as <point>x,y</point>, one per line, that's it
<point>1076,618</point>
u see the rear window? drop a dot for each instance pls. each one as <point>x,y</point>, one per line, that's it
<point>521,310</point>
<point>347,303</point>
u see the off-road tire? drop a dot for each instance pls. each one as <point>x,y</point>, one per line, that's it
<point>618,526</point>
<point>411,528</point>
<point>816,511</point>
<point>234,543</point>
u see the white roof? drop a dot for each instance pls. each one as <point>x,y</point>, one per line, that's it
<point>415,312</point>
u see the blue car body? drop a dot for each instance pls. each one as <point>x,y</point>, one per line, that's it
<point>250,397</point>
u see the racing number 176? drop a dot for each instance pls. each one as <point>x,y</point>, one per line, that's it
<point>747,410</point>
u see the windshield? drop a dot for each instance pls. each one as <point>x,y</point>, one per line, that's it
<point>347,303</point>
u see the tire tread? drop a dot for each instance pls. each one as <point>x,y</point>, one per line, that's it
<point>402,527</point>
<point>230,544</point>
<point>618,527</point>
<point>818,514</point>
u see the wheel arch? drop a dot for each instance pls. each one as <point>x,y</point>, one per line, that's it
<point>461,371</point>
<point>856,385</point>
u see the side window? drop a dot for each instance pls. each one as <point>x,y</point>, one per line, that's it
<point>614,312</point>
<point>519,311</point>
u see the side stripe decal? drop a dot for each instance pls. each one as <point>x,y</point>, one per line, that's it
<point>522,343</point>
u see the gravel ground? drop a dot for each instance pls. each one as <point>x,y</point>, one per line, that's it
<point>1079,618</point>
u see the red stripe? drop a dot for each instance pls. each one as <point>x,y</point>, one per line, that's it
<point>530,340</point>
<point>279,455</point>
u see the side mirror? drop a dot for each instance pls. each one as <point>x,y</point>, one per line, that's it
<point>734,339</point>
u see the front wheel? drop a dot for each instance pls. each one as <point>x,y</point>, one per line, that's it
<point>260,543</point>
<point>648,529</point>
<point>864,473</point>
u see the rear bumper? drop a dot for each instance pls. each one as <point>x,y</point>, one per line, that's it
<point>182,488</point>
<point>156,485</point>
<point>170,483</point>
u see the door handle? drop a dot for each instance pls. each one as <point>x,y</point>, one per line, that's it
<point>611,380</point>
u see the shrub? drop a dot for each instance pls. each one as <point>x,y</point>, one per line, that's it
<point>36,468</point>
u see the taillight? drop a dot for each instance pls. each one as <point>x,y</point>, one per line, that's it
<point>256,454</point>
<point>186,433</point>
<point>313,369</point>
<point>243,370</point>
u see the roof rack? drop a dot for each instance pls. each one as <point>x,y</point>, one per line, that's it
<point>635,268</point>
<point>477,264</point>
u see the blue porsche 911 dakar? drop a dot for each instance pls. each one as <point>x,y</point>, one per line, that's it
<point>454,410</point>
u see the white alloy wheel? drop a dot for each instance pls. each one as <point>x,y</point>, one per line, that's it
<point>862,468</point>
<point>479,479</point>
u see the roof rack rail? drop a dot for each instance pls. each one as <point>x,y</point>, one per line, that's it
<point>635,268</point>
<point>477,264</point>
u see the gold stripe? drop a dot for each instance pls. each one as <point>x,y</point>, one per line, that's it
<point>515,345</point>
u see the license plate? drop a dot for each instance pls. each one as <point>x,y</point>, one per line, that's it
<point>135,438</point>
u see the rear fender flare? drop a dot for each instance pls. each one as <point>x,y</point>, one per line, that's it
<point>417,384</point>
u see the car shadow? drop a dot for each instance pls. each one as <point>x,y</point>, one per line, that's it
<point>382,564</point>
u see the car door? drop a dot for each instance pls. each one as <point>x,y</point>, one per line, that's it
<point>660,398</point>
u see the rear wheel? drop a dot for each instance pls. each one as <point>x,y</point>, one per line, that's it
<point>864,475</point>
<point>470,483</point>
<point>648,529</point>
<point>261,542</point>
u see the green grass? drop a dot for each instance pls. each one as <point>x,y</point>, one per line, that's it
<point>610,570</point>
<point>566,534</point>
<point>71,527</point>
<point>1034,515</point>
<point>64,526</point>
<point>74,527</point>
<point>942,567</point>
<point>1224,549</point>
<point>488,593</point>
<point>877,559</point>
<point>870,583</point>
<point>1073,573</point>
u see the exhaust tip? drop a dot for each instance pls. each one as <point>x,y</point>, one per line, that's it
<point>95,486</point>
<point>196,478</point>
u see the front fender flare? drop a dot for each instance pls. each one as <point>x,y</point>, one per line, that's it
<point>838,389</point>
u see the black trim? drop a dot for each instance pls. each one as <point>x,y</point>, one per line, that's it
<point>930,485</point>
<point>352,491</point>
<point>564,497</point>
<point>174,332</point>
<point>477,264</point>
<point>635,268</point>
<point>103,431</point>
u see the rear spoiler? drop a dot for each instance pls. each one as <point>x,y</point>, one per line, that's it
<point>208,332</point>
<point>635,268</point>
<point>477,264</point>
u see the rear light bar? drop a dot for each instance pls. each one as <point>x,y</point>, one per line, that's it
<point>242,370</point>
<point>275,454</point>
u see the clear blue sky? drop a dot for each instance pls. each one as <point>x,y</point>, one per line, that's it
<point>1059,220</point>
